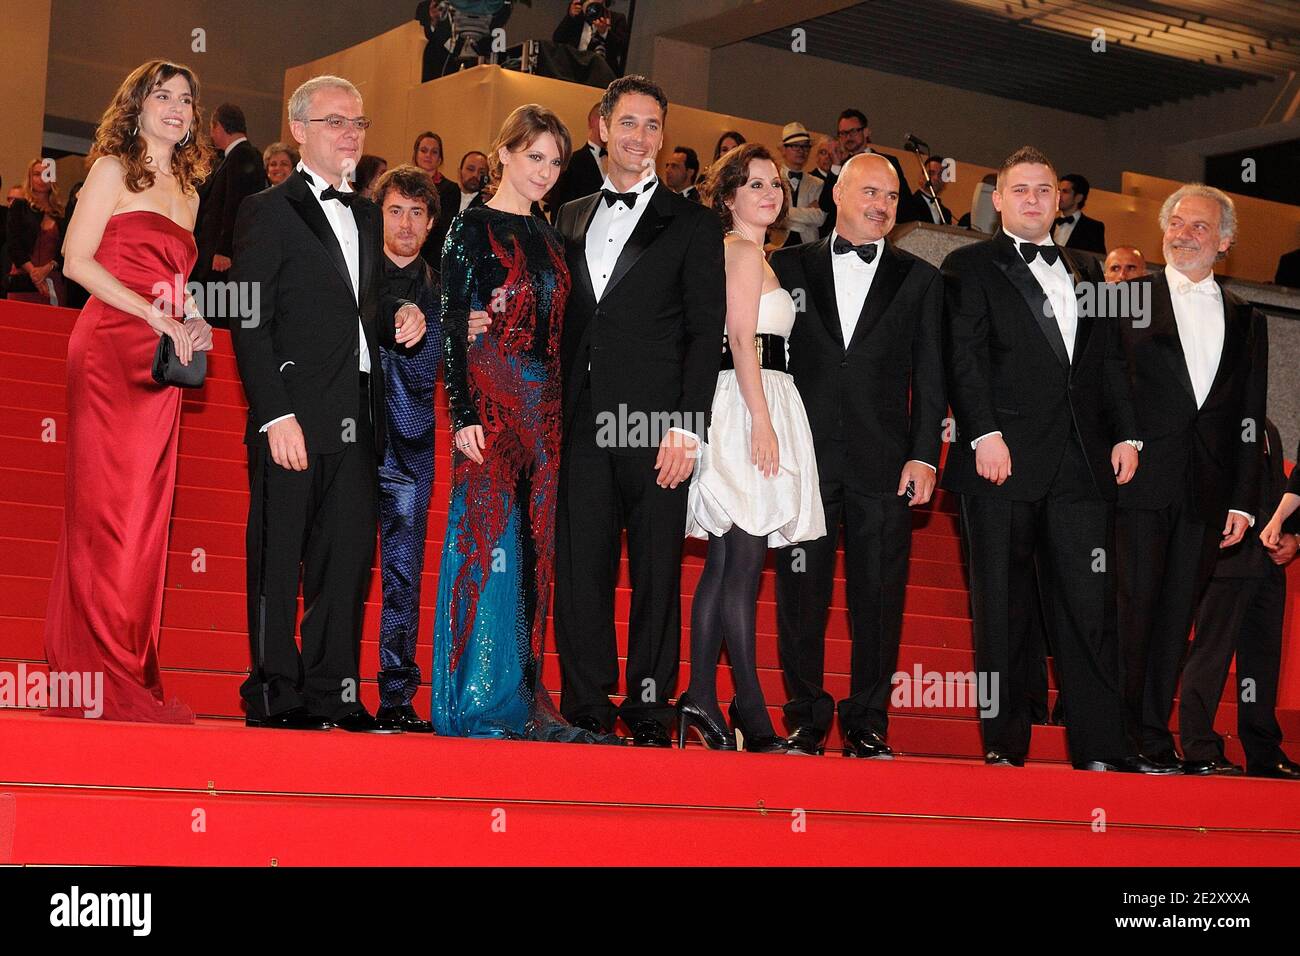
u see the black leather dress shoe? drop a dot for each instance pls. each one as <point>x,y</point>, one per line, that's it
<point>866,744</point>
<point>650,733</point>
<point>805,741</point>
<point>405,719</point>
<point>1167,760</point>
<point>360,722</point>
<point>589,723</point>
<point>1282,770</point>
<point>295,719</point>
<point>996,758</point>
<point>1218,767</point>
<point>1134,764</point>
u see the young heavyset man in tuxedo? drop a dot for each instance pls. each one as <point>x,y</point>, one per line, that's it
<point>865,355</point>
<point>1045,432</point>
<point>1199,367</point>
<point>641,349</point>
<point>310,365</point>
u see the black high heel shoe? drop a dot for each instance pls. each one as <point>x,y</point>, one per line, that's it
<point>713,736</point>
<point>760,744</point>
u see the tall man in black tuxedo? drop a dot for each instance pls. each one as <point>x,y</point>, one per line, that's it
<point>1199,367</point>
<point>868,337</point>
<point>1045,430</point>
<point>640,352</point>
<point>1242,613</point>
<point>1072,228</point>
<point>310,365</point>
<point>238,175</point>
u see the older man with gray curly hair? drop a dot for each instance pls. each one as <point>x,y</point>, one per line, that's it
<point>1198,365</point>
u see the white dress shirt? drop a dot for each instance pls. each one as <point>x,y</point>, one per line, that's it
<point>1062,232</point>
<point>853,279</point>
<point>233,143</point>
<point>611,227</point>
<point>595,154</point>
<point>344,225</point>
<point>466,199</point>
<point>931,204</point>
<point>1198,310</point>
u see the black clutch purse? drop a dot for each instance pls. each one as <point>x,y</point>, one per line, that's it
<point>168,370</point>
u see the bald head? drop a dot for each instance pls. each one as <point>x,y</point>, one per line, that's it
<point>1124,263</point>
<point>865,161</point>
<point>866,198</point>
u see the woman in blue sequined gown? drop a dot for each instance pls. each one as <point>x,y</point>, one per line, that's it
<point>504,391</point>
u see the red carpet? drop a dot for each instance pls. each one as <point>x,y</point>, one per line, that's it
<point>268,796</point>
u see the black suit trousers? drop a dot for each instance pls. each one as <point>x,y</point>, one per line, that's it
<point>1166,557</point>
<point>1068,536</point>
<point>877,544</point>
<point>1241,615</point>
<point>319,524</point>
<point>600,495</point>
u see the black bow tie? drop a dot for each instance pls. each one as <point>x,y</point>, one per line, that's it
<point>611,197</point>
<point>1064,220</point>
<point>1049,252</point>
<point>604,152</point>
<point>347,198</point>
<point>866,252</point>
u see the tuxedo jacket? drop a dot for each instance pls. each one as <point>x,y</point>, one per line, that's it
<point>581,177</point>
<point>1207,458</point>
<point>1088,235</point>
<point>923,209</point>
<point>239,175</point>
<point>1249,559</point>
<point>301,355</point>
<point>654,340</point>
<point>882,393</point>
<point>1009,371</point>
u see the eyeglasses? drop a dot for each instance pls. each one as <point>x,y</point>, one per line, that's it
<point>802,147</point>
<point>847,132</point>
<point>336,122</point>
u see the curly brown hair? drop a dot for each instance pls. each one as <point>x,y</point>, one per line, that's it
<point>118,134</point>
<point>730,172</point>
<point>411,182</point>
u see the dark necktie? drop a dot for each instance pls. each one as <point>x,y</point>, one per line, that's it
<point>795,180</point>
<point>611,197</point>
<point>603,152</point>
<point>1063,221</point>
<point>1049,252</point>
<point>346,198</point>
<point>866,252</point>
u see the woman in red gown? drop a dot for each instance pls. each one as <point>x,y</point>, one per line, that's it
<point>131,245</point>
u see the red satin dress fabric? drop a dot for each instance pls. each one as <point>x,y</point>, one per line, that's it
<point>105,608</point>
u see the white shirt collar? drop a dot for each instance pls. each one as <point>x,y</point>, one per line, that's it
<point>343,187</point>
<point>879,244</point>
<point>233,143</point>
<point>640,187</point>
<point>1180,284</point>
<point>1018,240</point>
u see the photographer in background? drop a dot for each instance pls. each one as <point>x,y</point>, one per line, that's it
<point>591,26</point>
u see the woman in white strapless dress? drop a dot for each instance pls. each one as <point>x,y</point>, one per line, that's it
<point>756,483</point>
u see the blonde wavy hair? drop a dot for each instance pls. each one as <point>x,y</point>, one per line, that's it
<point>53,203</point>
<point>119,133</point>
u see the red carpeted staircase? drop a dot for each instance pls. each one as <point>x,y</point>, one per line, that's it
<point>328,798</point>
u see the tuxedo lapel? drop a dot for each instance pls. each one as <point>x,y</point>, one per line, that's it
<point>889,276</point>
<point>1013,265</point>
<point>584,212</point>
<point>368,242</point>
<point>1171,345</point>
<point>309,210</point>
<point>821,279</point>
<point>652,223</point>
